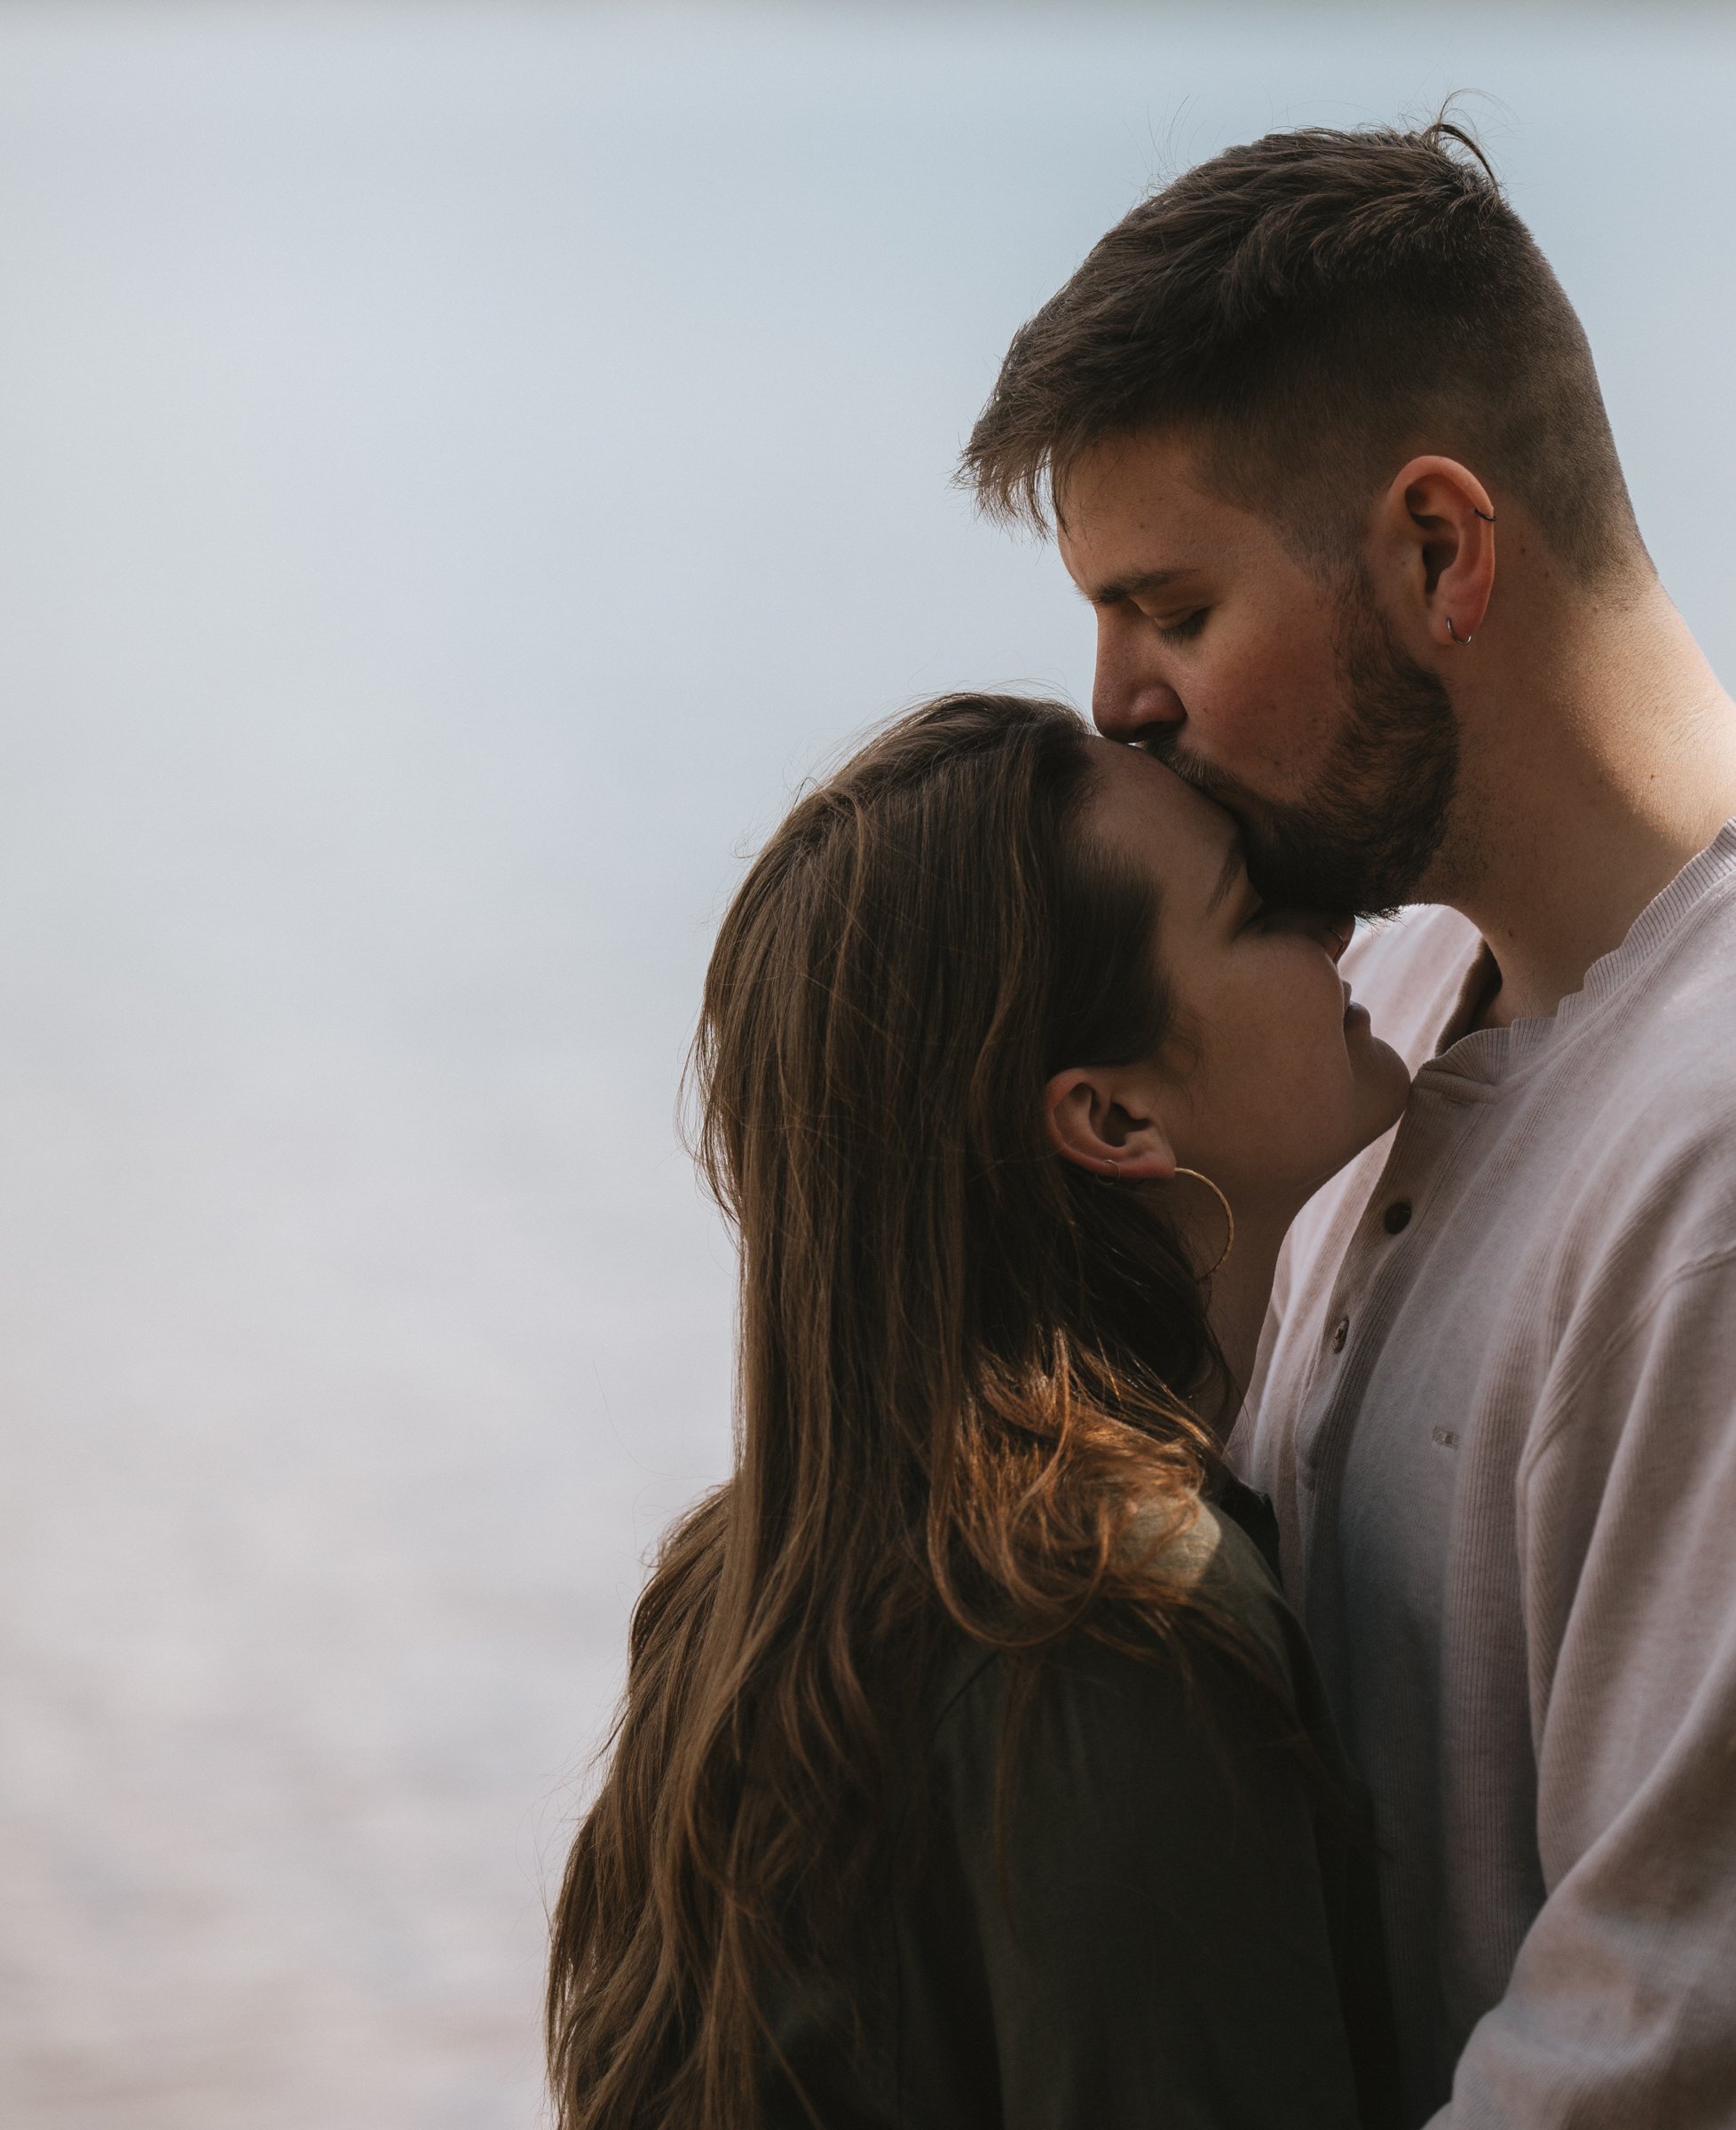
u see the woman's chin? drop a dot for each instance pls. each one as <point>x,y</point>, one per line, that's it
<point>1387,1077</point>
<point>1382,1087</point>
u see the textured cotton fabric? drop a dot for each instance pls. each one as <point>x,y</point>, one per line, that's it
<point>1161,1921</point>
<point>1497,1412</point>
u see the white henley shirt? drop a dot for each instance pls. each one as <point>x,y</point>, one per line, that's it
<point>1496,1408</point>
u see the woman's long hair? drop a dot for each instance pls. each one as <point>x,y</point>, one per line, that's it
<point>964,1365</point>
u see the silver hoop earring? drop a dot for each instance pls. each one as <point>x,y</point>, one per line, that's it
<point>1454,632</point>
<point>1229,1218</point>
<point>1114,1167</point>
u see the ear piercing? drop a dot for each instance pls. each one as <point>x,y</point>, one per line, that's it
<point>1114,1168</point>
<point>1488,518</point>
<point>1229,1240</point>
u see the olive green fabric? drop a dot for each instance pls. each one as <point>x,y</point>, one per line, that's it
<point>1165,1917</point>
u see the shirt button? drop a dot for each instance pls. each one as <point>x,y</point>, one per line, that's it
<point>1340,1332</point>
<point>1398,1217</point>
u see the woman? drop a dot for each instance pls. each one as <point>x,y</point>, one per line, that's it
<point>971,1770</point>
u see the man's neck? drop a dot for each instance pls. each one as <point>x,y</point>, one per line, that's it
<point>1600,757</point>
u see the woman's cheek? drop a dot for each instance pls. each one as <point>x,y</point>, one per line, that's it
<point>1308,1039</point>
<point>1302,995</point>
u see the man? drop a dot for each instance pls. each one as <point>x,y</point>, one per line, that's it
<point>1326,453</point>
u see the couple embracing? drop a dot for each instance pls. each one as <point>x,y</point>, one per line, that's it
<point>1225,1610</point>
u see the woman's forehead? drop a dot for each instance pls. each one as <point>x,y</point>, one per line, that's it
<point>1157,819</point>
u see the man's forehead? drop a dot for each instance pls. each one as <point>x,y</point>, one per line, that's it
<point>1129,517</point>
<point>1110,559</point>
<point>1151,473</point>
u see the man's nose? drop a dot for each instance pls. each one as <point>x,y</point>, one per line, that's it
<point>1128,695</point>
<point>1334,928</point>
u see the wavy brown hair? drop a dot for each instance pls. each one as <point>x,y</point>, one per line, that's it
<point>964,1365</point>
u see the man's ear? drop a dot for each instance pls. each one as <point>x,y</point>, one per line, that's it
<point>1106,1120</point>
<point>1438,522</point>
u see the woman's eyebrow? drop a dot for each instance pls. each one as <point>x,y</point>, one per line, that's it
<point>1234,863</point>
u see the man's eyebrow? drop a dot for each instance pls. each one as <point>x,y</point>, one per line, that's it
<point>1137,588</point>
<point>1227,880</point>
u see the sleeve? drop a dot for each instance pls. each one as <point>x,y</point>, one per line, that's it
<point>1621,2010</point>
<point>1150,1904</point>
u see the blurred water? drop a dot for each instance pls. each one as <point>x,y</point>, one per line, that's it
<point>458,468</point>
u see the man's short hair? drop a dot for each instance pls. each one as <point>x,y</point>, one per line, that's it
<point>1314,309</point>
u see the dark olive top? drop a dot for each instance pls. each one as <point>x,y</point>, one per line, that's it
<point>1173,1923</point>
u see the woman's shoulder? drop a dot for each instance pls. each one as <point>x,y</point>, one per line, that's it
<point>1122,1836</point>
<point>1222,1626</point>
<point>1222,1557</point>
<point>1191,1719</point>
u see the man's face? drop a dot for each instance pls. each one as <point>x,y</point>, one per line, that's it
<point>1279,691</point>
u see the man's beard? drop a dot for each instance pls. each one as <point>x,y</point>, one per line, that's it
<point>1369,830</point>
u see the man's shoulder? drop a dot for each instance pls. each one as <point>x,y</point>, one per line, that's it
<point>1650,1040</point>
<point>1682,1000</point>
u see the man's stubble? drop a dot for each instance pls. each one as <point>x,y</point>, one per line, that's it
<point>1372,824</point>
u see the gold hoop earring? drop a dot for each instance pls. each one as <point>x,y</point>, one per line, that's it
<point>1229,1218</point>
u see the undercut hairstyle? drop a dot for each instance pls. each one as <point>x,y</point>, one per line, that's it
<point>1312,310</point>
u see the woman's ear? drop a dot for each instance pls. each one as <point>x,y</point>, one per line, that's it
<point>1106,1120</point>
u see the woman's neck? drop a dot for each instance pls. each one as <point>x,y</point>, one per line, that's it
<point>1240,1288</point>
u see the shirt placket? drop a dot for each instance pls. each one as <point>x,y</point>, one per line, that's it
<point>1371,1281</point>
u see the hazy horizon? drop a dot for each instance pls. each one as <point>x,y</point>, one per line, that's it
<point>463,466</point>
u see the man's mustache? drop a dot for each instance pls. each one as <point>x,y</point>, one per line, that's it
<point>1276,866</point>
<point>1211,783</point>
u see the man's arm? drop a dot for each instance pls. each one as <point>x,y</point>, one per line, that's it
<point>1620,2012</point>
